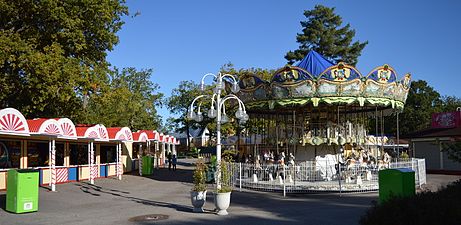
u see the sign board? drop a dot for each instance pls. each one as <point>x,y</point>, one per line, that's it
<point>446,119</point>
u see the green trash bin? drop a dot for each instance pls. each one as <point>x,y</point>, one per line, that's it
<point>396,182</point>
<point>147,166</point>
<point>22,191</point>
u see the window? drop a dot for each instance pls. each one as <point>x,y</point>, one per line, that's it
<point>37,154</point>
<point>108,153</point>
<point>78,154</point>
<point>10,154</point>
<point>59,154</point>
<point>136,148</point>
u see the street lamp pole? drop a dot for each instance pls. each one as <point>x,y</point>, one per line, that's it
<point>212,113</point>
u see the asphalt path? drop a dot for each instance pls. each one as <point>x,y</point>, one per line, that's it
<point>165,196</point>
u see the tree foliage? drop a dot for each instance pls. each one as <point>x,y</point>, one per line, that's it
<point>263,74</point>
<point>322,32</point>
<point>129,99</point>
<point>179,102</point>
<point>422,102</point>
<point>53,53</point>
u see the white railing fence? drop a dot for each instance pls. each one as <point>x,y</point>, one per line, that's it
<point>311,176</point>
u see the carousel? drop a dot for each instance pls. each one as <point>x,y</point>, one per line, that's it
<point>321,123</point>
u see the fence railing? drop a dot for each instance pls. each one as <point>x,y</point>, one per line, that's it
<point>312,176</point>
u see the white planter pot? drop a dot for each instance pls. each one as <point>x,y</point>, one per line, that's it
<point>222,202</point>
<point>198,199</point>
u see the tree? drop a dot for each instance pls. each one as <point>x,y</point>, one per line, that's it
<point>179,102</point>
<point>263,74</point>
<point>322,32</point>
<point>130,99</point>
<point>450,103</point>
<point>422,102</point>
<point>53,53</point>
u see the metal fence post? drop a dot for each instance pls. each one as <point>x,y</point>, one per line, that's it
<point>240,177</point>
<point>339,178</point>
<point>284,179</point>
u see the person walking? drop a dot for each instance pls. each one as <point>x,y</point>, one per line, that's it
<point>174,162</point>
<point>169,161</point>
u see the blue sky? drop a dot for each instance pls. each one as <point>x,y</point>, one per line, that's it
<point>183,40</point>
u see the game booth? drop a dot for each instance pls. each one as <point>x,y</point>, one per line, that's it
<point>64,152</point>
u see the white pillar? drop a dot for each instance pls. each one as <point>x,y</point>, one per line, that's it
<point>53,165</point>
<point>119,159</point>
<point>140,160</point>
<point>91,162</point>
<point>174,150</point>
<point>162,159</point>
<point>156,154</point>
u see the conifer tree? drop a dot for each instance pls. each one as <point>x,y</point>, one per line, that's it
<point>322,32</point>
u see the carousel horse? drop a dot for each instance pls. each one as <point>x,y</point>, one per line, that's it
<point>291,160</point>
<point>282,159</point>
<point>257,163</point>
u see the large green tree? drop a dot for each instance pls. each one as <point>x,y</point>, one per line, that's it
<point>53,53</point>
<point>323,32</point>
<point>130,99</point>
<point>422,101</point>
<point>178,103</point>
<point>264,74</point>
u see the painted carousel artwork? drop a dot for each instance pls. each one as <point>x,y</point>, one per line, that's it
<point>311,126</point>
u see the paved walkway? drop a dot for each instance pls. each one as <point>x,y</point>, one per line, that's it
<point>110,201</point>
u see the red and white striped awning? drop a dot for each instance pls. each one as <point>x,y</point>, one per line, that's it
<point>120,134</point>
<point>44,127</point>
<point>98,132</point>
<point>68,128</point>
<point>151,135</point>
<point>141,136</point>
<point>12,122</point>
<point>156,135</point>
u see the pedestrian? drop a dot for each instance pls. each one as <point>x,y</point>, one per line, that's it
<point>174,162</point>
<point>169,161</point>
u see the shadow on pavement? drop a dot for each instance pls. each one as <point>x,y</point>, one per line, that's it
<point>180,175</point>
<point>96,190</point>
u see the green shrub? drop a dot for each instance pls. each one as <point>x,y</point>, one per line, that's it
<point>199,176</point>
<point>426,208</point>
<point>225,179</point>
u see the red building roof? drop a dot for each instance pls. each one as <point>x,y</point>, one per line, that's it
<point>120,133</point>
<point>45,126</point>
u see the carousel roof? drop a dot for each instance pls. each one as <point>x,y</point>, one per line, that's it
<point>316,80</point>
<point>314,63</point>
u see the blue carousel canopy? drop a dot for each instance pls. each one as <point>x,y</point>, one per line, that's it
<point>314,63</point>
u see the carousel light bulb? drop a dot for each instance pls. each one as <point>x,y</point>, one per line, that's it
<point>202,86</point>
<point>191,115</point>
<point>224,119</point>
<point>235,88</point>
<point>212,113</point>
<point>244,118</point>
<point>239,113</point>
<point>199,117</point>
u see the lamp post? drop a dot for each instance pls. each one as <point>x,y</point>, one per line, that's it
<point>218,112</point>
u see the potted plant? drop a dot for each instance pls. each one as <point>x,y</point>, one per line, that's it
<point>198,192</point>
<point>223,192</point>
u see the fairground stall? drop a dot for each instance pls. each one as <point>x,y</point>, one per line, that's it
<point>63,152</point>
<point>310,129</point>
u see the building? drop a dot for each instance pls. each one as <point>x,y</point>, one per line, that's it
<point>429,143</point>
<point>65,152</point>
